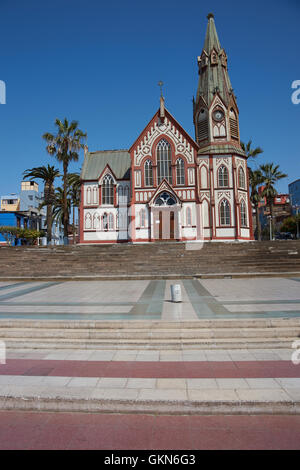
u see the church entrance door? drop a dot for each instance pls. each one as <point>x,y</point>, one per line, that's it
<point>165,218</point>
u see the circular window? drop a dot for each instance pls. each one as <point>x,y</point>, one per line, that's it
<point>165,199</point>
<point>218,115</point>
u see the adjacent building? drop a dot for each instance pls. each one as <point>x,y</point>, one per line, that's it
<point>24,211</point>
<point>294,191</point>
<point>169,185</point>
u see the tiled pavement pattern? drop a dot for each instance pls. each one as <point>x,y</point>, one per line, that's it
<point>150,381</point>
<point>138,300</point>
<point>165,381</point>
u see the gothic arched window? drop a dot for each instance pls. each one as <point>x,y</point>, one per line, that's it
<point>88,221</point>
<point>95,195</point>
<point>180,176</point>
<point>110,221</point>
<point>165,199</point>
<point>104,222</point>
<point>142,218</point>
<point>96,221</point>
<point>223,179</point>
<point>202,125</point>
<point>107,190</point>
<point>243,213</point>
<point>242,182</point>
<point>148,173</point>
<point>188,216</point>
<point>89,195</point>
<point>164,169</point>
<point>224,212</point>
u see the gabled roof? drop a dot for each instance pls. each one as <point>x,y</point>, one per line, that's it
<point>175,123</point>
<point>164,186</point>
<point>95,163</point>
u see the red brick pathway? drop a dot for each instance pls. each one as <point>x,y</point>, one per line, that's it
<point>238,369</point>
<point>33,430</point>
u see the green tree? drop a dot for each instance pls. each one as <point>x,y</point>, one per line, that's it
<point>290,224</point>
<point>47,174</point>
<point>9,233</point>
<point>249,151</point>
<point>256,180</point>
<point>271,175</point>
<point>74,185</point>
<point>65,146</point>
<point>59,205</point>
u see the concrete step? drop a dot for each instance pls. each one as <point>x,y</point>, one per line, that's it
<point>151,344</point>
<point>216,334</point>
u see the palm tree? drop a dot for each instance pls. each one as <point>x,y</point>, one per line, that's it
<point>59,205</point>
<point>249,151</point>
<point>48,175</point>
<point>74,184</point>
<point>65,146</point>
<point>255,180</point>
<point>271,174</point>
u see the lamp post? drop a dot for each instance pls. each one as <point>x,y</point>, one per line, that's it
<point>296,206</point>
<point>271,233</point>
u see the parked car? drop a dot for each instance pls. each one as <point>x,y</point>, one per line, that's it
<point>284,236</point>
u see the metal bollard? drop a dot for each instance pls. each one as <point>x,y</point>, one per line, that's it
<point>176,293</point>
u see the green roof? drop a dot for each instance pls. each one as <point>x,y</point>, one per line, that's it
<point>221,149</point>
<point>95,162</point>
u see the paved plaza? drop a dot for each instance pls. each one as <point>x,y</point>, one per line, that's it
<point>151,300</point>
<point>192,396</point>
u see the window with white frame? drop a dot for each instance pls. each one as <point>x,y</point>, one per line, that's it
<point>224,212</point>
<point>89,195</point>
<point>242,181</point>
<point>104,222</point>
<point>107,190</point>
<point>110,221</point>
<point>142,218</point>
<point>88,221</point>
<point>95,195</point>
<point>223,178</point>
<point>188,216</point>
<point>243,213</point>
<point>180,176</point>
<point>164,168</point>
<point>148,173</point>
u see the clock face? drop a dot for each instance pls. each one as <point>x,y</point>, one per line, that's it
<point>218,115</point>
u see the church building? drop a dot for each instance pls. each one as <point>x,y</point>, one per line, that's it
<point>169,186</point>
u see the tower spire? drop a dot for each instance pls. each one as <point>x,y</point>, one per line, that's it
<point>211,38</point>
<point>213,74</point>
<point>214,91</point>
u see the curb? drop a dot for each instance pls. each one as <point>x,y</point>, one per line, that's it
<point>128,277</point>
<point>148,406</point>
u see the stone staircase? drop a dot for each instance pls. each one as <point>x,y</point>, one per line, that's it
<point>136,335</point>
<point>154,260</point>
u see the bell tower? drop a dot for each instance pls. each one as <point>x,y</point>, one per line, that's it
<point>223,187</point>
<point>215,110</point>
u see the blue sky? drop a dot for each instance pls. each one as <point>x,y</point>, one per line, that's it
<point>99,63</point>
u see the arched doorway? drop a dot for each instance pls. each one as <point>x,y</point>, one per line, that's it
<point>165,218</point>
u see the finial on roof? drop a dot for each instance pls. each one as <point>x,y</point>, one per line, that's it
<point>210,15</point>
<point>160,84</point>
<point>162,101</point>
